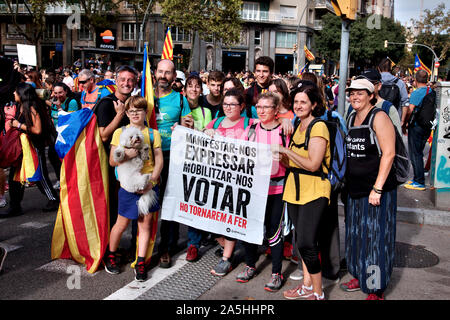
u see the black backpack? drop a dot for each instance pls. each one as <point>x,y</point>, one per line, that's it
<point>425,113</point>
<point>391,93</point>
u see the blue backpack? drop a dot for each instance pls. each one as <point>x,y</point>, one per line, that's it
<point>338,150</point>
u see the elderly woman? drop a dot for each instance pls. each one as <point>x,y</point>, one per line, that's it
<point>306,191</point>
<point>372,201</point>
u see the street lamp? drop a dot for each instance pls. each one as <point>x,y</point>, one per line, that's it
<point>436,59</point>
<point>141,28</point>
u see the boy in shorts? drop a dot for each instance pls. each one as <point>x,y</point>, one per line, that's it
<point>136,110</point>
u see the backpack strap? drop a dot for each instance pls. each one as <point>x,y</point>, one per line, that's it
<point>218,122</point>
<point>373,136</point>
<point>251,131</point>
<point>246,122</point>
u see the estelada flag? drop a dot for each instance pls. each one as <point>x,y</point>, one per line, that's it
<point>308,54</point>
<point>147,92</point>
<point>81,228</point>
<point>167,52</point>
<point>419,65</point>
<point>30,169</point>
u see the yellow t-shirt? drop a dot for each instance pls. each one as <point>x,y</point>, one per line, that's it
<point>311,187</point>
<point>148,164</point>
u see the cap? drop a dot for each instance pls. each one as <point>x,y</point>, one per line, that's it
<point>361,84</point>
<point>181,76</point>
<point>370,74</point>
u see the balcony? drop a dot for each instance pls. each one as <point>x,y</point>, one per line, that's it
<point>261,16</point>
<point>318,25</point>
<point>324,4</point>
<point>53,9</point>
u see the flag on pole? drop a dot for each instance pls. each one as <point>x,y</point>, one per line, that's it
<point>147,91</point>
<point>392,62</point>
<point>81,229</point>
<point>308,54</point>
<point>168,46</point>
<point>419,65</point>
<point>299,75</point>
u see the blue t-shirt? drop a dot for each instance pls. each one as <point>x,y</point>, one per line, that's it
<point>417,96</point>
<point>169,112</point>
<point>73,106</point>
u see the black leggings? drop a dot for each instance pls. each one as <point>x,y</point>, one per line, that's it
<point>272,222</point>
<point>306,220</point>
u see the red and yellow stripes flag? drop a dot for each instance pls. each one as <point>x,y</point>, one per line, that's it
<point>81,229</point>
<point>30,169</point>
<point>167,52</point>
<point>308,54</point>
<point>147,91</point>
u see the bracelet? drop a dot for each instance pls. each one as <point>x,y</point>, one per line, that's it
<point>154,183</point>
<point>379,191</point>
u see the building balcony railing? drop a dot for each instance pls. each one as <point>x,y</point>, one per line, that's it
<point>261,16</point>
<point>324,4</point>
<point>53,9</point>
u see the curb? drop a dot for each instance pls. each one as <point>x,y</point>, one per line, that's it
<point>420,216</point>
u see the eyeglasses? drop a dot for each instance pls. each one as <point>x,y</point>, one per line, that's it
<point>265,107</point>
<point>83,81</point>
<point>135,112</point>
<point>230,105</point>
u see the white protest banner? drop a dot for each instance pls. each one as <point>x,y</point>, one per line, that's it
<point>27,54</point>
<point>218,184</point>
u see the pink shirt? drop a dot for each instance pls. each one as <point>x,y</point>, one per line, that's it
<point>272,136</point>
<point>234,132</point>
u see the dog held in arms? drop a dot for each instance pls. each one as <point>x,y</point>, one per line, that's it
<point>129,172</point>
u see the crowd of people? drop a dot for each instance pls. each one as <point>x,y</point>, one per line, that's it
<point>258,106</point>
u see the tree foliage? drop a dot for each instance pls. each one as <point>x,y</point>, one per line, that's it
<point>433,30</point>
<point>219,19</point>
<point>366,45</point>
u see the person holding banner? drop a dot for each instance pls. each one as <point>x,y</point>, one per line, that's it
<point>232,125</point>
<point>268,130</point>
<point>136,110</point>
<point>306,192</point>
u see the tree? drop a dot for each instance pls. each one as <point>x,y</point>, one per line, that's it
<point>35,26</point>
<point>366,45</point>
<point>433,30</point>
<point>205,18</point>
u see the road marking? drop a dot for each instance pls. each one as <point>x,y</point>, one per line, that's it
<point>34,225</point>
<point>134,289</point>
<point>62,265</point>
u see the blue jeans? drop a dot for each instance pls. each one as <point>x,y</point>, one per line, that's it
<point>194,237</point>
<point>417,137</point>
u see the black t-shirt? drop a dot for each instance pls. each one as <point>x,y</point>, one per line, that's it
<point>251,94</point>
<point>203,101</point>
<point>105,113</point>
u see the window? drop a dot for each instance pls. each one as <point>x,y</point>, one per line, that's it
<point>53,31</point>
<point>257,37</point>
<point>129,31</point>
<point>286,39</point>
<point>180,35</point>
<point>250,11</point>
<point>288,12</point>
<point>84,33</point>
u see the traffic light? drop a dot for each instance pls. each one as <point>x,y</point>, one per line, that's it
<point>385,43</point>
<point>52,54</point>
<point>346,9</point>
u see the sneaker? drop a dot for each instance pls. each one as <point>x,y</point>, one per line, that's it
<point>268,252</point>
<point>315,296</point>
<point>139,271</point>
<point>299,292</point>
<point>3,201</point>
<point>352,285</point>
<point>329,282</point>
<point>246,275</point>
<point>287,251</point>
<point>164,261</point>
<point>415,186</point>
<point>296,275</point>
<point>3,254</point>
<point>192,253</point>
<point>275,283</point>
<point>111,264</point>
<point>222,268</point>
<point>373,296</point>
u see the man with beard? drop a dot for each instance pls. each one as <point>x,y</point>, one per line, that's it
<point>110,112</point>
<point>170,107</point>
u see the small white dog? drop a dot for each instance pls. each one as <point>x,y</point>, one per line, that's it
<point>129,172</point>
